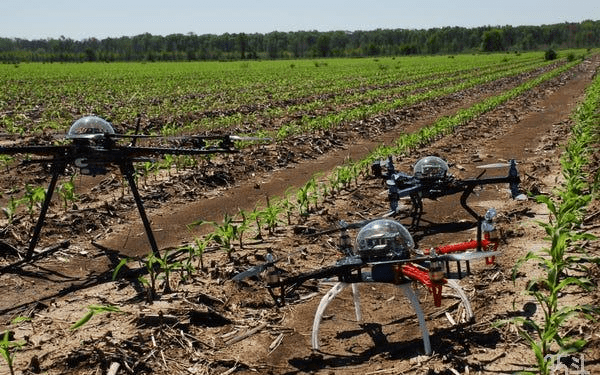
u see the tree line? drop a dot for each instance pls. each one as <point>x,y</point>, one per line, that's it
<point>303,44</point>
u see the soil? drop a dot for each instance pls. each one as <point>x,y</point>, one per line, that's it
<point>209,324</point>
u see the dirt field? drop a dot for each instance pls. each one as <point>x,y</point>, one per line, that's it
<point>210,325</point>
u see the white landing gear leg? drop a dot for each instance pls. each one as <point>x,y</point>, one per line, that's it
<point>340,286</point>
<point>414,301</point>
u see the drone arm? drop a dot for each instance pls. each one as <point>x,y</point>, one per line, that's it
<point>55,151</point>
<point>512,179</point>
<point>343,271</point>
<point>146,151</point>
<point>416,273</point>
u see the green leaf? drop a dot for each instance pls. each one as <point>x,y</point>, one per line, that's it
<point>86,318</point>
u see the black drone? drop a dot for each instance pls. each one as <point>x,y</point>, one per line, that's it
<point>95,145</point>
<point>383,252</point>
<point>432,180</point>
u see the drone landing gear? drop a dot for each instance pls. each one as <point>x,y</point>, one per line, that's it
<point>58,168</point>
<point>410,295</point>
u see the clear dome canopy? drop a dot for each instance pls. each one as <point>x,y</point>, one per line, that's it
<point>431,167</point>
<point>384,239</point>
<point>89,127</point>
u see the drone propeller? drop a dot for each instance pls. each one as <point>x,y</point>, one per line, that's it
<point>469,255</point>
<point>343,225</point>
<point>190,137</point>
<point>464,257</point>
<point>493,166</point>
<point>252,271</point>
<point>259,268</point>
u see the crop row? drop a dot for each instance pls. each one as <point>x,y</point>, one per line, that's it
<point>50,96</point>
<point>565,264</point>
<point>336,104</point>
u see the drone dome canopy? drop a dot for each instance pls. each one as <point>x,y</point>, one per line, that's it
<point>384,239</point>
<point>89,127</point>
<point>431,167</point>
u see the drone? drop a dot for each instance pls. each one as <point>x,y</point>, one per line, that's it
<point>432,180</point>
<point>384,252</point>
<point>94,146</point>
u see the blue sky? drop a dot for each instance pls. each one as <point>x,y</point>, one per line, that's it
<point>41,19</point>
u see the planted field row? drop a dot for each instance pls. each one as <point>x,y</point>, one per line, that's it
<point>37,97</point>
<point>300,113</point>
<point>566,264</point>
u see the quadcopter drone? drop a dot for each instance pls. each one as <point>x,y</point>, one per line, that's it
<point>94,146</point>
<point>384,253</point>
<point>431,180</point>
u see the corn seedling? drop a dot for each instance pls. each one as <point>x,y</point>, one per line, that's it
<point>303,201</point>
<point>6,160</point>
<point>11,209</point>
<point>151,263</point>
<point>257,216</point>
<point>271,215</point>
<point>243,227</point>
<point>94,310</point>
<point>224,234</point>
<point>187,266</point>
<point>122,263</point>
<point>288,206</point>
<point>201,245</point>
<point>32,197</point>
<point>546,290</point>
<point>7,348</point>
<point>167,267</point>
<point>313,192</point>
<point>66,191</point>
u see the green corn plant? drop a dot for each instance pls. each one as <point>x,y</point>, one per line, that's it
<point>147,168</point>
<point>11,209</point>
<point>356,170</point>
<point>313,192</point>
<point>325,192</point>
<point>243,226</point>
<point>334,181</point>
<point>166,163</point>
<point>547,289</point>
<point>7,349</point>
<point>302,199</point>
<point>257,215</point>
<point>564,233</point>
<point>201,245</point>
<point>288,206</point>
<point>32,197</point>
<point>224,234</point>
<point>66,191</point>
<point>344,176</point>
<point>122,263</point>
<point>6,160</point>
<point>94,310</point>
<point>167,267</point>
<point>187,266</point>
<point>271,215</point>
<point>152,266</point>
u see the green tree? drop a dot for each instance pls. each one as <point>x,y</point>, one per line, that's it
<point>492,41</point>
